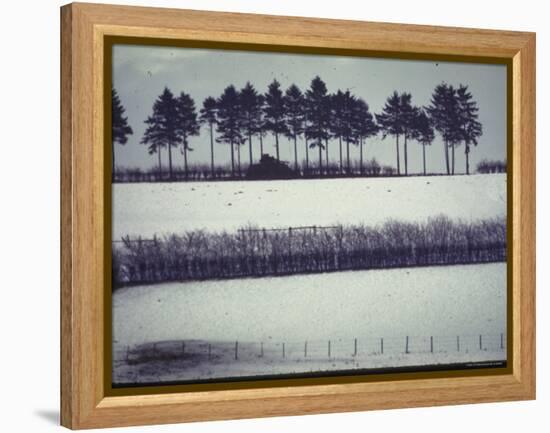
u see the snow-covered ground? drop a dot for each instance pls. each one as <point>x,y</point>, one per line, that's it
<point>443,302</point>
<point>160,208</point>
<point>197,366</point>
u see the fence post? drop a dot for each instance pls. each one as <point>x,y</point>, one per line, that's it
<point>382,345</point>
<point>407,344</point>
<point>236,350</point>
<point>431,344</point>
<point>329,349</point>
<point>305,349</point>
<point>502,341</point>
<point>457,343</point>
<point>262,349</point>
<point>355,347</point>
<point>284,350</point>
<point>480,343</point>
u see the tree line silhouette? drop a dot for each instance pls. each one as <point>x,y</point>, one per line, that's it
<point>254,252</point>
<point>202,172</point>
<point>238,118</point>
<point>491,166</point>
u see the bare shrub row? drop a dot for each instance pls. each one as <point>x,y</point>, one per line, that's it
<point>254,252</point>
<point>203,172</point>
<point>489,166</point>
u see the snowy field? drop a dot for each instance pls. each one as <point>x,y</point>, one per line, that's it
<point>161,208</point>
<point>196,366</point>
<point>443,302</point>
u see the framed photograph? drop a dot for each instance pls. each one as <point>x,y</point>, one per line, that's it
<point>269,216</point>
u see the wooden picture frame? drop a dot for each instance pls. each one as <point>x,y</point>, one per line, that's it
<point>85,400</point>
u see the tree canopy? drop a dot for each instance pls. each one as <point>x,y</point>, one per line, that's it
<point>316,115</point>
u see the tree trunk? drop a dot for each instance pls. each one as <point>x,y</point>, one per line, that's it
<point>446,149</point>
<point>341,163</point>
<point>405,150</point>
<point>295,154</point>
<point>239,159</point>
<point>397,152</point>
<point>261,145</point>
<point>211,150</point>
<point>170,161</point>
<point>307,155</point>
<point>424,157</point>
<point>160,164</point>
<point>277,145</point>
<point>361,155</point>
<point>347,158</point>
<point>232,160</point>
<point>250,147</point>
<point>185,163</point>
<point>113,162</point>
<point>453,159</point>
<point>467,152</point>
<point>326,156</point>
<point>320,157</point>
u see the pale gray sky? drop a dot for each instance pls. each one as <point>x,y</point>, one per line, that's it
<point>140,73</point>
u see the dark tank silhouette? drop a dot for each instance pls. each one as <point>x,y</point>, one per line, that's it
<point>269,168</point>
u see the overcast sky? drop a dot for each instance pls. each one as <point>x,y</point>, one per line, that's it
<point>140,74</point>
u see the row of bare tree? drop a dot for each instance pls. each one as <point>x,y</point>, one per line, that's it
<point>203,172</point>
<point>251,251</point>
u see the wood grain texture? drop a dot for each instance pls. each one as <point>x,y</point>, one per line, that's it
<point>67,388</point>
<point>524,212</point>
<point>83,400</point>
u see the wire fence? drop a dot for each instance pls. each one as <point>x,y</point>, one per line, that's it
<point>329,349</point>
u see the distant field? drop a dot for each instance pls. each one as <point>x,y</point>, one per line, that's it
<point>160,208</point>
